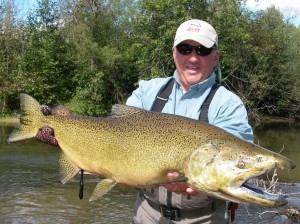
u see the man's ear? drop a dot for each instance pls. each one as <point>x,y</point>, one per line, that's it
<point>217,57</point>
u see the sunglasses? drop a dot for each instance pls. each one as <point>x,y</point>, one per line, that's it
<point>187,49</point>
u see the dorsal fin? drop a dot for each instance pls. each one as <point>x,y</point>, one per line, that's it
<point>119,110</point>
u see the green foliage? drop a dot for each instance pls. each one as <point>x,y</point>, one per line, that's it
<point>273,78</point>
<point>104,71</point>
<point>12,45</point>
<point>154,31</point>
<point>91,99</point>
<point>90,54</point>
<point>46,68</point>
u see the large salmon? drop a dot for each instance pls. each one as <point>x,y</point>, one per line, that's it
<point>138,148</point>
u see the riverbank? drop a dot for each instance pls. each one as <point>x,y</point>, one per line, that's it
<point>275,120</point>
<point>291,121</point>
<point>9,120</point>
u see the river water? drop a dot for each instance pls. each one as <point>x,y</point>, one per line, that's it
<point>32,193</point>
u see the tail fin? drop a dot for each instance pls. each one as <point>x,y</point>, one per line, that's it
<point>30,119</point>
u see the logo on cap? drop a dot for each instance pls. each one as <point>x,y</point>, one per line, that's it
<point>193,27</point>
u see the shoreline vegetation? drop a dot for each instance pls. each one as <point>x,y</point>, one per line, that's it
<point>90,55</point>
<point>8,120</point>
<point>290,121</point>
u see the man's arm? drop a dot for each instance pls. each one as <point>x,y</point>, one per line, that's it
<point>228,112</point>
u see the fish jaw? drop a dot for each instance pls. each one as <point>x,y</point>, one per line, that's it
<point>255,195</point>
<point>223,174</point>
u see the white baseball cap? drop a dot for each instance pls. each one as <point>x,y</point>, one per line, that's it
<point>197,30</point>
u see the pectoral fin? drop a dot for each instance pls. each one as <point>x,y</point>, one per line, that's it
<point>102,188</point>
<point>67,168</point>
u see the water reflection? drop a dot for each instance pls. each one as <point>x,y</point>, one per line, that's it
<point>32,193</point>
<point>283,138</point>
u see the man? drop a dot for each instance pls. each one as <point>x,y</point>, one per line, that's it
<point>195,55</point>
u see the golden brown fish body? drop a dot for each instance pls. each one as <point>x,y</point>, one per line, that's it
<point>127,148</point>
<point>138,148</point>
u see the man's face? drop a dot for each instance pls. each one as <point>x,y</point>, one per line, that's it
<point>193,68</point>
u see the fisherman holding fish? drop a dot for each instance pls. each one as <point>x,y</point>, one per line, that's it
<point>185,170</point>
<point>196,54</point>
<point>191,92</point>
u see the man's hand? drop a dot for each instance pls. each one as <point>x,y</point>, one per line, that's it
<point>178,187</point>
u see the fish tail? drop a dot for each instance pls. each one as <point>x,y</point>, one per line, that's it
<point>30,119</point>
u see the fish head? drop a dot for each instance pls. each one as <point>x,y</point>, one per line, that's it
<point>224,170</point>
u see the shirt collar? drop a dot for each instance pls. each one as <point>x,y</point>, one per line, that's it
<point>201,86</point>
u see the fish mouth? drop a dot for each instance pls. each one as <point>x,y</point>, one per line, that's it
<point>274,199</point>
<point>250,192</point>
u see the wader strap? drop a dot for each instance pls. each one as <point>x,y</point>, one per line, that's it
<point>163,97</point>
<point>204,108</point>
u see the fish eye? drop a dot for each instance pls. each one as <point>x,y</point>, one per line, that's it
<point>241,164</point>
<point>259,159</point>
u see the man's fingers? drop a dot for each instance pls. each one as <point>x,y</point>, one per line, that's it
<point>190,191</point>
<point>172,175</point>
<point>180,187</point>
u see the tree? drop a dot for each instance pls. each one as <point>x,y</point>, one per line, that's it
<point>154,31</point>
<point>272,55</point>
<point>48,63</point>
<point>90,54</point>
<point>104,71</point>
<point>10,56</point>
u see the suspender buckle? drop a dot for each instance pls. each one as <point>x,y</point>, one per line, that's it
<point>170,213</point>
<point>160,98</point>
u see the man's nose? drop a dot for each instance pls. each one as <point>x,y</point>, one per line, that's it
<point>193,55</point>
